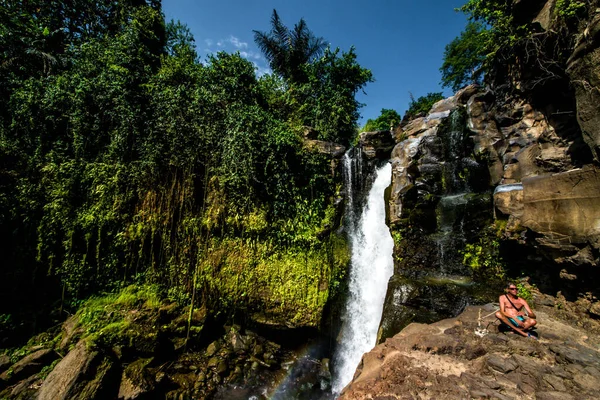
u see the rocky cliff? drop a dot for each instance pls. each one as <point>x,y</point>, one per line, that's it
<point>500,180</point>
<point>497,182</point>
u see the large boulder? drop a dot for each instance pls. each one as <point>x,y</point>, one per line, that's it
<point>563,209</point>
<point>564,206</point>
<point>27,366</point>
<point>331,149</point>
<point>84,373</point>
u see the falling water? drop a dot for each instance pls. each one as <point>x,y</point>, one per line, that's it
<point>451,207</point>
<point>371,267</point>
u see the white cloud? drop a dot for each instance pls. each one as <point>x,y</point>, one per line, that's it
<point>230,41</point>
<point>260,71</point>
<point>250,55</point>
<point>237,43</point>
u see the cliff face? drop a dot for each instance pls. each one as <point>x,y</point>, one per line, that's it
<point>500,179</point>
<point>495,181</point>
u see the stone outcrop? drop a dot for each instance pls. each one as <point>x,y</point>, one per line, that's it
<point>128,368</point>
<point>27,366</point>
<point>83,373</point>
<point>448,360</point>
<point>329,148</point>
<point>378,144</point>
<point>563,208</point>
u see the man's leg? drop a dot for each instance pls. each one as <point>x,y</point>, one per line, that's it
<point>529,323</point>
<point>502,318</point>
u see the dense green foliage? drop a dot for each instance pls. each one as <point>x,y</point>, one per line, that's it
<point>122,157</point>
<point>388,119</point>
<point>483,256</point>
<point>422,105</point>
<point>470,55</point>
<point>496,40</point>
<point>464,57</point>
<point>569,8</point>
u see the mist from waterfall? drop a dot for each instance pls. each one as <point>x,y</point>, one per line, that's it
<point>371,267</point>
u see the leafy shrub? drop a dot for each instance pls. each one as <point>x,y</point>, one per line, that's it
<point>483,257</point>
<point>386,120</point>
<point>524,291</point>
<point>570,9</point>
<point>422,105</point>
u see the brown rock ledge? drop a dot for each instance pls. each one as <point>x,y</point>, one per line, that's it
<point>446,360</point>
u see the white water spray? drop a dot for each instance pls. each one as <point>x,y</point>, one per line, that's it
<point>371,267</point>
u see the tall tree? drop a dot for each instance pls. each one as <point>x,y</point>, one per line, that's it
<point>465,55</point>
<point>287,50</point>
<point>387,119</point>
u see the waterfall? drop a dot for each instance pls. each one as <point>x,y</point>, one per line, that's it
<point>370,269</point>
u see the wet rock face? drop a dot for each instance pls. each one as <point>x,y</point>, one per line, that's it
<point>545,192</point>
<point>439,201</point>
<point>448,360</point>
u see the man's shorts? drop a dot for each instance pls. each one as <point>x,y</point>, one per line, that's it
<point>512,321</point>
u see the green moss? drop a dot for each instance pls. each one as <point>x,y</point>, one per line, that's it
<point>293,283</point>
<point>570,9</point>
<point>500,227</point>
<point>45,340</point>
<point>108,319</point>
<point>48,368</point>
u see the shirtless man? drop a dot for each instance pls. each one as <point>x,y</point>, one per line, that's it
<point>512,314</point>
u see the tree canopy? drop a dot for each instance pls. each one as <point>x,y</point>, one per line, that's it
<point>124,158</point>
<point>386,120</point>
<point>421,105</point>
<point>496,39</point>
<point>288,50</point>
<point>464,57</point>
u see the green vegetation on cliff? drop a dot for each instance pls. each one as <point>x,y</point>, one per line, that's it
<point>388,119</point>
<point>505,40</point>
<point>125,158</point>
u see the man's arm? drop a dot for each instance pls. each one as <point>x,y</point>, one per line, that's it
<point>502,302</point>
<point>530,313</point>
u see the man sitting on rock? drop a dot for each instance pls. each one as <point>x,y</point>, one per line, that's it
<point>511,312</point>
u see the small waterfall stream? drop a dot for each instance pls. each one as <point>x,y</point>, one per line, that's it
<point>370,269</point>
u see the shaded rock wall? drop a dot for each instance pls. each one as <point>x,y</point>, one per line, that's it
<point>512,162</point>
<point>440,201</point>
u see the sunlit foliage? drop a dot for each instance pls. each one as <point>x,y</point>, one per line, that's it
<point>123,158</point>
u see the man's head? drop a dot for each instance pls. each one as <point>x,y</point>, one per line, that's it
<point>512,288</point>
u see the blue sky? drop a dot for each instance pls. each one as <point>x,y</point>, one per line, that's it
<point>402,42</point>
